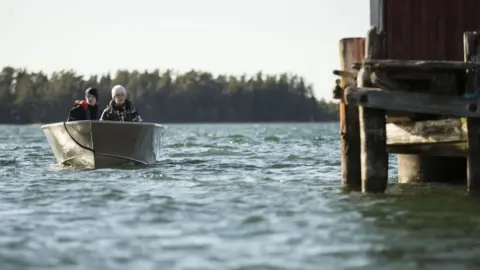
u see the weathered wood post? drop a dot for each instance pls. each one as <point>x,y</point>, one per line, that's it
<point>471,43</point>
<point>417,168</point>
<point>351,51</point>
<point>373,137</point>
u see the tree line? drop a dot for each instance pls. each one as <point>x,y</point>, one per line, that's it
<point>194,96</point>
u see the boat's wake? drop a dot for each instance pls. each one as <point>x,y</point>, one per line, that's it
<point>61,167</point>
<point>125,166</point>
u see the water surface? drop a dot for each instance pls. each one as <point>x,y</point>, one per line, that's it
<point>224,196</point>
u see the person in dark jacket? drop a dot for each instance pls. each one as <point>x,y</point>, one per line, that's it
<point>120,108</point>
<point>86,109</point>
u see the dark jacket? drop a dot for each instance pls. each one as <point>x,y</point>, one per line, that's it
<point>124,113</point>
<point>82,111</point>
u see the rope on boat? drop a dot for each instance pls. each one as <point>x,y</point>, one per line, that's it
<point>79,144</point>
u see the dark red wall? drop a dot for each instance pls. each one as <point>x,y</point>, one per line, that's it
<point>428,29</point>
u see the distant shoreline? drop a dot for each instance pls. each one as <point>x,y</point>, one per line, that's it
<point>164,97</point>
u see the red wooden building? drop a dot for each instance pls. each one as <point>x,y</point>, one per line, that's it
<point>425,29</point>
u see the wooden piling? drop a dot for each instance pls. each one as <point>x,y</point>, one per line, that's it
<point>410,103</point>
<point>429,151</point>
<point>471,43</point>
<point>373,145</point>
<point>416,168</point>
<point>351,51</point>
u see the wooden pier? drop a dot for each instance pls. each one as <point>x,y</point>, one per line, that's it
<point>426,111</point>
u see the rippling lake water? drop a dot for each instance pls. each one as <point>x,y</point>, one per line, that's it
<point>225,196</point>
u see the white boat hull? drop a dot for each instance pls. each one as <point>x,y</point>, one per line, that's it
<point>101,144</point>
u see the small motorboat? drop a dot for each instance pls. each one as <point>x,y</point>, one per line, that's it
<point>103,144</point>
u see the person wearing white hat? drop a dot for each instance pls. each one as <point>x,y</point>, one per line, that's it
<point>120,108</point>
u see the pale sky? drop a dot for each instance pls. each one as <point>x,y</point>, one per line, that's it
<point>223,37</point>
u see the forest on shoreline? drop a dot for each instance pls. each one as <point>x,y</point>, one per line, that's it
<point>165,97</point>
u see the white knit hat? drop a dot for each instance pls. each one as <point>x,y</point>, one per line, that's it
<point>118,89</point>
